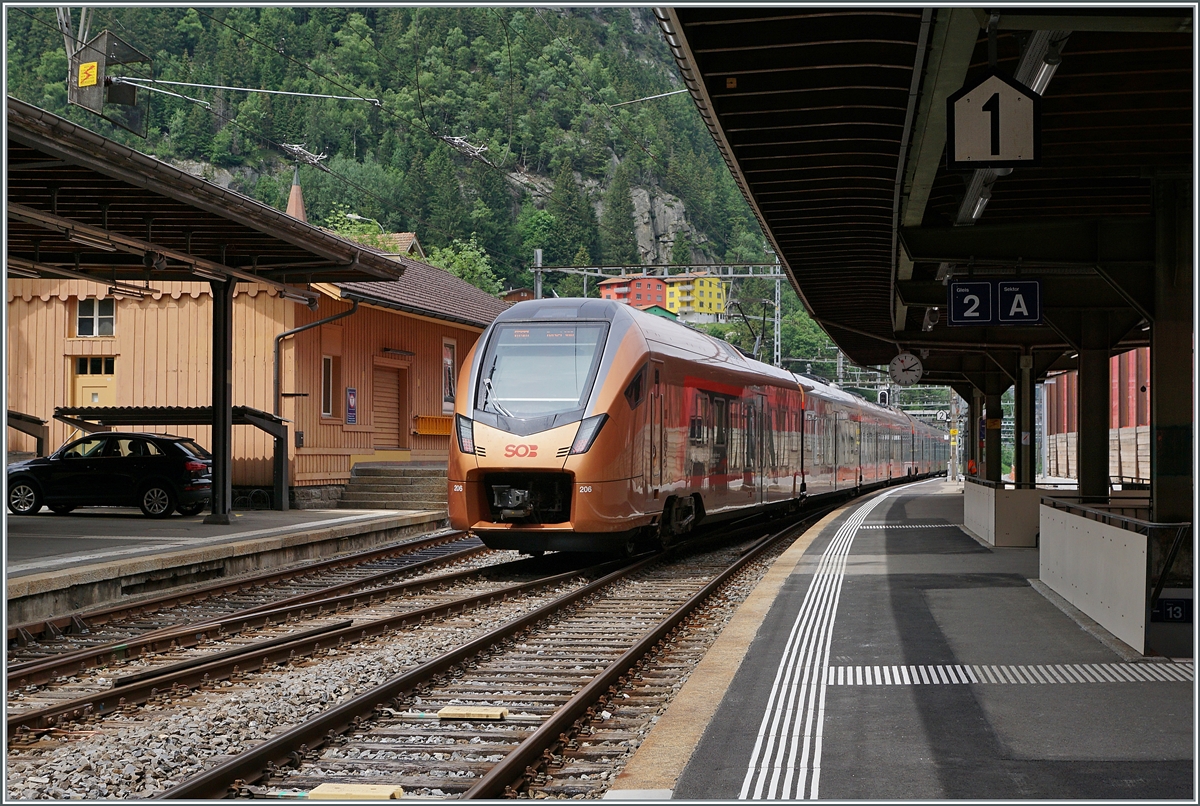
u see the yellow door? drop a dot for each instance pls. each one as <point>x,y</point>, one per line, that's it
<point>93,382</point>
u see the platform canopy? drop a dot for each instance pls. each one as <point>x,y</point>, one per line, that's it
<point>81,206</point>
<point>833,122</point>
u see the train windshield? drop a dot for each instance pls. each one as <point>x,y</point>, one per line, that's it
<point>536,370</point>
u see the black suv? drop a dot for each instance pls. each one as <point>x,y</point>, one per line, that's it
<point>156,472</point>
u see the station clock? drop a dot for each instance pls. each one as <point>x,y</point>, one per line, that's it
<point>905,369</point>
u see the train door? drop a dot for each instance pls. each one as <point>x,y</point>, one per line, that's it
<point>854,449</point>
<point>762,437</point>
<point>832,442</point>
<point>657,452</point>
<point>868,452</point>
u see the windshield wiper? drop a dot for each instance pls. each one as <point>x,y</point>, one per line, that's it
<point>487,398</point>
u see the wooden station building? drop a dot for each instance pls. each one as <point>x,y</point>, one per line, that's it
<point>373,382</point>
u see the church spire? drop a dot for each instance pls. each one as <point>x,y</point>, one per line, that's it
<point>295,206</point>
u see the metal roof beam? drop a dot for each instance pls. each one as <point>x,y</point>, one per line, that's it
<point>70,227</point>
<point>1166,21</point>
<point>1086,242</point>
<point>71,274</point>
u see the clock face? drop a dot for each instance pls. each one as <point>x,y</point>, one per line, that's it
<point>905,369</point>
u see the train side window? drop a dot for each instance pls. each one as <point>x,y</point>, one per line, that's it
<point>696,422</point>
<point>719,421</point>
<point>635,391</point>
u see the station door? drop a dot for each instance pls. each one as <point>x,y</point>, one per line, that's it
<point>93,381</point>
<point>389,407</point>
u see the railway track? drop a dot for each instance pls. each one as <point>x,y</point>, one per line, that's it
<point>247,641</point>
<point>527,702</point>
<point>285,711</point>
<point>171,620</point>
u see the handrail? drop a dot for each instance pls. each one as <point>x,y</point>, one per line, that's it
<point>1176,544</point>
<point>1020,485</point>
<point>1094,512</point>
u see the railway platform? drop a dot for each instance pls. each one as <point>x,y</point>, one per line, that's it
<point>889,654</point>
<point>57,565</point>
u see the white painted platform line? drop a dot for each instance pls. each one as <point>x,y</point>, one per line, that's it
<point>910,526</point>
<point>1047,674</point>
<point>785,763</point>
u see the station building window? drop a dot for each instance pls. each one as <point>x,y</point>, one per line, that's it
<point>331,378</point>
<point>95,365</point>
<point>95,317</point>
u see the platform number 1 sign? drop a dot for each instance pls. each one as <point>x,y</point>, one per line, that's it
<point>994,122</point>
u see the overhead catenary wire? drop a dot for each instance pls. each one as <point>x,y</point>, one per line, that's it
<point>145,81</point>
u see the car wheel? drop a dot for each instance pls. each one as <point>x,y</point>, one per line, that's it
<point>61,509</point>
<point>157,501</point>
<point>24,498</point>
<point>189,510</point>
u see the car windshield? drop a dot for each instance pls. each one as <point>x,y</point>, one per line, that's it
<point>534,370</point>
<point>192,449</point>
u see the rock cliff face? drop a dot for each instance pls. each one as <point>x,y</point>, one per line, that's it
<point>659,219</point>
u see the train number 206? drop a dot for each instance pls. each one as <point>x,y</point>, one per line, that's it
<point>585,488</point>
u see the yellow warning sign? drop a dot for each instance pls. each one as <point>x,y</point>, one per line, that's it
<point>88,71</point>
<point>953,432</point>
<point>993,424</point>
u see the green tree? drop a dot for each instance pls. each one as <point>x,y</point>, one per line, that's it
<point>447,218</point>
<point>681,249</point>
<point>576,219</point>
<point>467,260</point>
<point>618,236</point>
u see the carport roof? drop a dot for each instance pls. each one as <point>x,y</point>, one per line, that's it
<point>161,415</point>
<point>81,205</point>
<point>832,121</point>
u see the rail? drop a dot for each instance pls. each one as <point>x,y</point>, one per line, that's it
<point>87,621</point>
<point>202,671</point>
<point>509,774</point>
<point>184,635</point>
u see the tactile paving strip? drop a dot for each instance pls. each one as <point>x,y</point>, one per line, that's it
<point>1032,674</point>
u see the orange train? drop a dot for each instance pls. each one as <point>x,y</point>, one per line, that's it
<point>585,425</point>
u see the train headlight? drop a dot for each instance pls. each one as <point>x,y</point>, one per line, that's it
<point>466,433</point>
<point>589,429</point>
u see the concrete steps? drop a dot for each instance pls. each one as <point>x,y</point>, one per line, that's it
<point>381,486</point>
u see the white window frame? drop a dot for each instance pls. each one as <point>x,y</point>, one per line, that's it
<point>96,317</point>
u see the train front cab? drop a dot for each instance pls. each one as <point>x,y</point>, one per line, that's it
<point>535,466</point>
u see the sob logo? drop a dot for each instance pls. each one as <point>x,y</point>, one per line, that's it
<point>520,451</point>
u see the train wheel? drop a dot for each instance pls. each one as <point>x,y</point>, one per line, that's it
<point>679,516</point>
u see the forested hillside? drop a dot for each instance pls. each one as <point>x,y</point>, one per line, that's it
<point>532,90</point>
